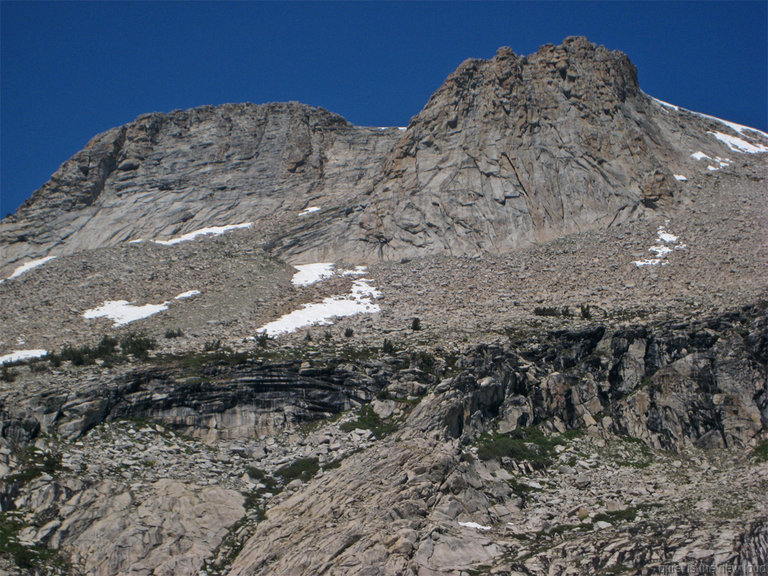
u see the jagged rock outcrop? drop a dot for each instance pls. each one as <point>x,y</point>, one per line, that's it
<point>508,152</point>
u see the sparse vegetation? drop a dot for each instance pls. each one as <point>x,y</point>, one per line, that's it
<point>761,451</point>
<point>367,419</point>
<point>348,332</point>
<point>388,347</point>
<point>263,339</point>
<point>303,469</point>
<point>32,464</point>
<point>626,515</point>
<point>132,344</point>
<point>416,324</point>
<point>25,557</point>
<point>212,345</point>
<point>8,374</point>
<point>586,312</point>
<point>565,312</point>
<point>171,333</point>
<point>137,345</point>
<point>526,444</point>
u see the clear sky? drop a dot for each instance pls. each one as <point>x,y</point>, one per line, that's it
<point>72,70</point>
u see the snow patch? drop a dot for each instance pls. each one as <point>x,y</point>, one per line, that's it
<point>309,210</point>
<point>666,104</point>
<point>667,245</point>
<point>18,355</point>
<point>681,178</point>
<point>311,273</point>
<point>137,241</point>
<point>187,294</point>
<point>700,156</point>
<point>122,312</point>
<point>29,266</point>
<point>474,525</point>
<point>739,145</point>
<point>212,230</point>
<point>358,301</point>
<point>740,128</point>
<point>358,271</point>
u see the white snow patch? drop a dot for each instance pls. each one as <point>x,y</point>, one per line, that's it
<point>739,145</point>
<point>212,230</point>
<point>18,355</point>
<point>122,312</point>
<point>311,273</point>
<point>137,241</point>
<point>474,525</point>
<point>665,236</point>
<point>700,156</point>
<point>666,104</point>
<point>649,262</point>
<point>712,168</point>
<point>309,210</point>
<point>358,271</point>
<point>661,250</point>
<point>29,265</point>
<point>681,178</point>
<point>187,294</point>
<point>358,301</point>
<point>740,128</point>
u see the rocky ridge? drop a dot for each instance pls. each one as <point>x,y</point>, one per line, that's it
<point>508,152</point>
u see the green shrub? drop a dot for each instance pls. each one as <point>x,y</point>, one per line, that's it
<point>304,469</point>
<point>367,419</point>
<point>388,347</point>
<point>348,332</point>
<point>173,333</point>
<point>137,345</point>
<point>552,311</point>
<point>586,313</point>
<point>211,345</point>
<point>416,324</point>
<point>526,444</point>
<point>761,451</point>
<point>8,374</point>
<point>628,515</point>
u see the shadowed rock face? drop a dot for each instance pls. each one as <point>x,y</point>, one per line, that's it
<point>508,152</point>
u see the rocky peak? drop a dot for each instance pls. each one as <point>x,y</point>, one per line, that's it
<point>516,150</point>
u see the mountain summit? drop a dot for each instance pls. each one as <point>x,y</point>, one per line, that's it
<point>508,152</point>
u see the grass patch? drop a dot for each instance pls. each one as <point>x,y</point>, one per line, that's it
<point>303,469</point>
<point>626,515</point>
<point>523,444</point>
<point>34,464</point>
<point>28,558</point>
<point>761,451</point>
<point>367,419</point>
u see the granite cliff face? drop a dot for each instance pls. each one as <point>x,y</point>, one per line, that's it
<point>527,334</point>
<point>508,152</point>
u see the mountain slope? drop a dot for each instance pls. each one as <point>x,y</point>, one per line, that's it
<point>508,152</point>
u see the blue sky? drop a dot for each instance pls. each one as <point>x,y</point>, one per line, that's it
<point>71,70</point>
